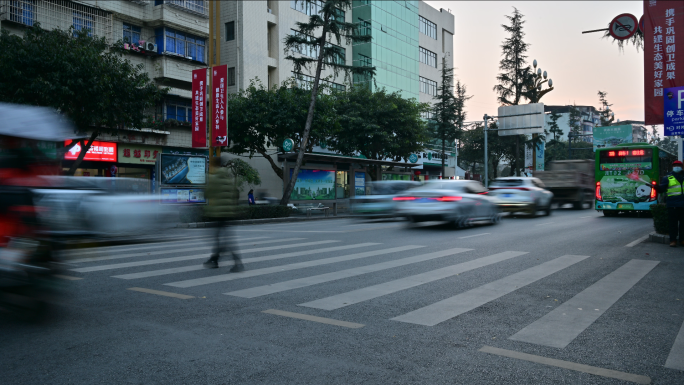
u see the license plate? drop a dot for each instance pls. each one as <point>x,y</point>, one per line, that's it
<point>625,206</point>
<point>424,200</point>
<point>508,195</point>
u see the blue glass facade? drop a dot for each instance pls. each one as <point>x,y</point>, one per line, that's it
<point>394,50</point>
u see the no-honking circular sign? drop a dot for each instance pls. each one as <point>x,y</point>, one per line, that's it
<point>623,26</point>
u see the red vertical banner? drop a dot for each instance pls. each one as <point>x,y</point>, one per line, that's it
<point>663,27</point>
<point>219,94</point>
<point>199,108</point>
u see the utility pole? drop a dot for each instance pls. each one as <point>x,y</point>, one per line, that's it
<point>486,158</point>
<point>214,53</point>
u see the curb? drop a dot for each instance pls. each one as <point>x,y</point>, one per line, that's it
<point>659,238</point>
<point>243,222</point>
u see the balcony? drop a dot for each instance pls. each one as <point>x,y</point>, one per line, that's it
<point>55,14</point>
<point>197,7</point>
<point>140,2</point>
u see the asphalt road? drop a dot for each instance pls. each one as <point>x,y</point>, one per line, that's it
<point>565,299</point>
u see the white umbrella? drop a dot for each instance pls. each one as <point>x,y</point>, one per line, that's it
<point>38,123</point>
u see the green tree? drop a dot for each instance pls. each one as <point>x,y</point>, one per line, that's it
<point>78,75</point>
<point>606,114</point>
<point>515,72</point>
<point>328,24</point>
<point>263,118</point>
<point>471,149</point>
<point>575,120</point>
<point>378,125</point>
<point>448,111</point>
<point>242,172</point>
<point>554,129</point>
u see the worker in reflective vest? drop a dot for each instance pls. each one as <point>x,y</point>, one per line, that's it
<point>673,185</point>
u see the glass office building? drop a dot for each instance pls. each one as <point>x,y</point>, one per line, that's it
<point>394,49</point>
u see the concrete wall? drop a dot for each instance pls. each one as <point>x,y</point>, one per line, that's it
<point>442,46</point>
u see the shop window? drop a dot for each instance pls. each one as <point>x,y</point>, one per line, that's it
<point>342,185</point>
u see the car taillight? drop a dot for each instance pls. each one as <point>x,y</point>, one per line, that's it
<point>598,191</point>
<point>483,193</point>
<point>404,198</point>
<point>449,199</point>
<point>653,191</point>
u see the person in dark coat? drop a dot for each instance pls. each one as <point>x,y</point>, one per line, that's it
<point>673,185</point>
<point>250,197</point>
<point>222,199</point>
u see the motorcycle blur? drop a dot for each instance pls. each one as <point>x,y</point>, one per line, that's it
<point>27,265</point>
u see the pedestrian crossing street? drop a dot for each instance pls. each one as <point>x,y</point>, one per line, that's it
<point>557,329</point>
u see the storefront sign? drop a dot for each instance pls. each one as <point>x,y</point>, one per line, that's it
<point>220,113</point>
<point>98,152</point>
<point>183,169</point>
<point>360,183</point>
<point>314,185</point>
<point>185,151</point>
<point>674,111</point>
<point>137,154</point>
<point>663,22</point>
<point>199,108</point>
<point>182,195</point>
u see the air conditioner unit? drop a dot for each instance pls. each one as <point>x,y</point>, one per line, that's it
<point>150,47</point>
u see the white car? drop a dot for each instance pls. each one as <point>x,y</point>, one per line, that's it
<point>521,194</point>
<point>461,202</point>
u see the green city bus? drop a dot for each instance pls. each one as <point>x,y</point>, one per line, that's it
<point>624,175</point>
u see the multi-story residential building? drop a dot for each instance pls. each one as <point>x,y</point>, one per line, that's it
<point>409,40</point>
<point>588,120</point>
<point>167,36</point>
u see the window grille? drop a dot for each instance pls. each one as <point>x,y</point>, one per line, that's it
<point>62,14</point>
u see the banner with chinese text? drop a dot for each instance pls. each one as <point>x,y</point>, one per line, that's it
<point>199,108</point>
<point>219,132</point>
<point>663,22</point>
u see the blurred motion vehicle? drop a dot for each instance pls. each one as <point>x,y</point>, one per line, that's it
<point>460,202</point>
<point>521,194</point>
<point>380,203</point>
<point>570,181</point>
<point>101,208</point>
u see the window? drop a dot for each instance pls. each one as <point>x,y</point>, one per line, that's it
<point>131,33</point>
<point>230,31</point>
<point>428,86</point>
<point>314,7</point>
<point>365,61</point>
<point>184,45</point>
<point>83,21</point>
<point>180,110</point>
<point>365,28</point>
<point>428,28</point>
<point>231,76</point>
<point>312,51</point>
<point>306,82</point>
<point>428,57</point>
<point>22,12</point>
<point>195,6</point>
<point>427,115</point>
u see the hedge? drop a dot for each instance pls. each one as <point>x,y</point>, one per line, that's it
<point>195,213</point>
<point>660,219</point>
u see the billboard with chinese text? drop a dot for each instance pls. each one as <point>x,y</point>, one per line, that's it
<point>360,183</point>
<point>183,169</point>
<point>610,136</point>
<point>314,185</point>
<point>219,94</point>
<point>663,22</point>
<point>673,123</point>
<point>98,152</point>
<point>137,154</point>
<point>199,107</point>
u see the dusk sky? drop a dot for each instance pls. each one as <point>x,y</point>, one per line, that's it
<point>580,65</point>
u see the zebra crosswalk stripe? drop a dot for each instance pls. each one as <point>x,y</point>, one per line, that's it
<point>316,279</point>
<point>188,257</point>
<point>375,291</point>
<point>452,307</point>
<point>563,324</point>
<point>136,246</point>
<point>281,268</point>
<point>154,273</point>
<point>675,360</point>
<point>207,245</point>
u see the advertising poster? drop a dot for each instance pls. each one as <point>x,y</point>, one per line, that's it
<point>183,169</point>
<point>199,108</point>
<point>610,136</point>
<point>539,162</point>
<point>220,113</point>
<point>395,177</point>
<point>360,183</point>
<point>627,191</point>
<point>182,195</point>
<point>314,185</point>
<point>663,22</point>
<point>98,152</point>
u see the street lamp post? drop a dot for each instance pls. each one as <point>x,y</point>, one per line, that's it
<point>535,93</point>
